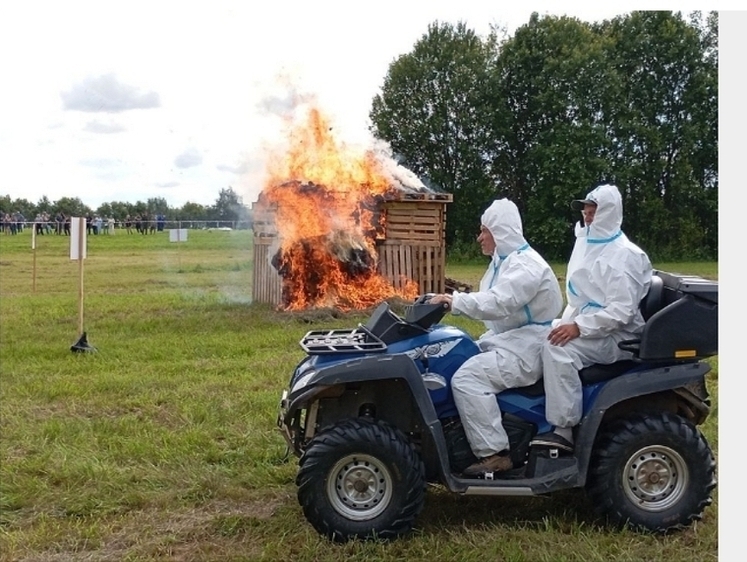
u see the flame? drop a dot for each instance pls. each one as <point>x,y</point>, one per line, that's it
<point>326,200</point>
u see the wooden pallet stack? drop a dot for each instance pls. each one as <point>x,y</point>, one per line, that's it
<point>413,246</point>
<point>266,282</point>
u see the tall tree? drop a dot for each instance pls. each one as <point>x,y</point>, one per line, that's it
<point>191,211</point>
<point>664,135</point>
<point>432,110</point>
<point>72,207</point>
<point>157,206</point>
<point>44,205</point>
<point>24,206</point>
<point>548,139</point>
<point>139,208</point>
<point>560,107</point>
<point>6,204</point>
<point>229,207</point>
<point>104,210</point>
<point>120,209</point>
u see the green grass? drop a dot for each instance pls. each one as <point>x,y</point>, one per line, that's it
<point>162,444</point>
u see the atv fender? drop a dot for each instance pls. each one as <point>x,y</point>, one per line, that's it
<point>631,385</point>
<point>371,369</point>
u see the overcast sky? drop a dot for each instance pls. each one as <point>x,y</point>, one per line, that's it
<point>180,100</point>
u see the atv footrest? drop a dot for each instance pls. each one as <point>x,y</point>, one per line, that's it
<point>544,460</point>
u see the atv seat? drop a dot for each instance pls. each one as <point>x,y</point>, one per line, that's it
<point>654,299</point>
<point>589,375</point>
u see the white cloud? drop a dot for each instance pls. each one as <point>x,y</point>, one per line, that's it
<point>107,94</point>
<point>189,158</point>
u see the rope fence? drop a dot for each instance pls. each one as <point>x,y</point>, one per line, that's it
<point>111,226</point>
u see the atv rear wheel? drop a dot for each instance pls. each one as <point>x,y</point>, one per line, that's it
<point>655,472</point>
<point>361,479</point>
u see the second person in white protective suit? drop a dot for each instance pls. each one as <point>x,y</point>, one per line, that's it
<point>518,298</point>
<point>607,277</point>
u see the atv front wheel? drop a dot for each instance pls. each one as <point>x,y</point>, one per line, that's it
<point>361,479</point>
<point>654,472</point>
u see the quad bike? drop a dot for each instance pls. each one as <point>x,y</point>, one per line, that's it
<point>370,414</point>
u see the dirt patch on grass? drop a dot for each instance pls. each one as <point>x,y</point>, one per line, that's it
<point>223,529</point>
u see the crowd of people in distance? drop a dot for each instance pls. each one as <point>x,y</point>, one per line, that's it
<point>13,223</point>
<point>44,223</point>
<point>143,224</point>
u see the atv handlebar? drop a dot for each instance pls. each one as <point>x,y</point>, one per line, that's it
<point>424,314</point>
<point>424,298</point>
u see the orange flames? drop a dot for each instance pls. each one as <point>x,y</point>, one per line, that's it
<point>326,201</point>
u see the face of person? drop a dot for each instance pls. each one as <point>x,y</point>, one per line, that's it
<point>588,213</point>
<point>487,243</point>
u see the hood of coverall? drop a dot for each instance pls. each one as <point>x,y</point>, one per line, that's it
<point>609,213</point>
<point>503,221</point>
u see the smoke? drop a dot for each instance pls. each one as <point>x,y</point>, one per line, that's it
<point>286,111</point>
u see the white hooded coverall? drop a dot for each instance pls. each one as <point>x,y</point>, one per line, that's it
<point>607,277</point>
<point>519,296</point>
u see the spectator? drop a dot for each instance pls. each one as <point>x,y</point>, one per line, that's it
<point>20,221</point>
<point>6,223</point>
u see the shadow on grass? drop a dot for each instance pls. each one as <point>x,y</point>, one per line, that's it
<point>446,511</point>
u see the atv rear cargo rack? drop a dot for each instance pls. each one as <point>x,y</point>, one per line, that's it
<point>355,340</point>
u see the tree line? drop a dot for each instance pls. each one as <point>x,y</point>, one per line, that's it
<point>228,208</point>
<point>560,107</point>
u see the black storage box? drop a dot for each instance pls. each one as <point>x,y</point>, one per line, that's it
<point>685,327</point>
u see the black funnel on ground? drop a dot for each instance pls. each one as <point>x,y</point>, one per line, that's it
<point>82,345</point>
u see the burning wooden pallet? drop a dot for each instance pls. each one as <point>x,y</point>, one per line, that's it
<point>407,249</point>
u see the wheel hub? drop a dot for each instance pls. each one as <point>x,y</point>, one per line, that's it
<point>359,487</point>
<point>655,477</point>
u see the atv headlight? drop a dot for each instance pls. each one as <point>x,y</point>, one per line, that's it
<point>303,381</point>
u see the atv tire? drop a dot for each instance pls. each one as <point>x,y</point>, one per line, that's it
<point>653,472</point>
<point>361,479</point>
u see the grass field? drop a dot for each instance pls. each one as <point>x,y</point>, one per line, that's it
<point>162,444</point>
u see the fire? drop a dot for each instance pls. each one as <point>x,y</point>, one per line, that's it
<point>326,200</point>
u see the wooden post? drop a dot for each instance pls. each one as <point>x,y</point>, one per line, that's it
<point>33,251</point>
<point>81,242</point>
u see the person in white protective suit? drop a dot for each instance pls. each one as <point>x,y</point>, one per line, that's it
<point>519,296</point>
<point>607,277</point>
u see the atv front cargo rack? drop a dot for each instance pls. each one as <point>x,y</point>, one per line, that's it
<point>355,340</point>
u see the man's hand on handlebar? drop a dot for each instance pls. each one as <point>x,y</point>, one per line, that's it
<point>441,298</point>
